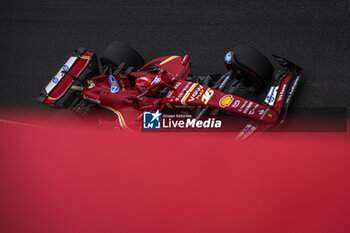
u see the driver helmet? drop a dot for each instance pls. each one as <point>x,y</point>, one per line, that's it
<point>143,82</point>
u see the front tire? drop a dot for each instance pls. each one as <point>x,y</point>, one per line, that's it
<point>256,67</point>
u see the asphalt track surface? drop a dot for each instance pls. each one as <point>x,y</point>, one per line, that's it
<point>38,36</point>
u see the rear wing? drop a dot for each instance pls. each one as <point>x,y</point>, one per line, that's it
<point>70,73</point>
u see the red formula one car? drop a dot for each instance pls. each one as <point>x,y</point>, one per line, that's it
<point>122,83</point>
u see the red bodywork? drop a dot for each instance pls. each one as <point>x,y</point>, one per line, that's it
<point>184,93</point>
<point>128,103</point>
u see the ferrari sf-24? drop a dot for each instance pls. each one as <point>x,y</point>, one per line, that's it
<point>120,82</point>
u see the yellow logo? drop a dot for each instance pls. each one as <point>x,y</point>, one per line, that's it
<point>169,105</point>
<point>225,101</point>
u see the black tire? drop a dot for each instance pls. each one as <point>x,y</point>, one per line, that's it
<point>256,66</point>
<point>118,52</point>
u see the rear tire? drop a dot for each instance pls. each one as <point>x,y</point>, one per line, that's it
<point>118,52</point>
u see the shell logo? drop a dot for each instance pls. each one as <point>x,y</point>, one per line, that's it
<point>225,101</point>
